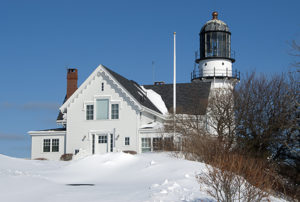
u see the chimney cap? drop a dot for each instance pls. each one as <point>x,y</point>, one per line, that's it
<point>71,70</point>
<point>157,83</point>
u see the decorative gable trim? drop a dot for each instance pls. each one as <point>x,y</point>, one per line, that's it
<point>100,70</point>
<point>131,99</point>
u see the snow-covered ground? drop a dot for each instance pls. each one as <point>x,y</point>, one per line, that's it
<point>114,176</point>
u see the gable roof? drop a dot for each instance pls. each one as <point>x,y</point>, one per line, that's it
<point>60,115</point>
<point>191,98</point>
<point>130,86</point>
<point>134,89</point>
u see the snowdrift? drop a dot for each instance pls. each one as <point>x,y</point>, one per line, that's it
<point>111,177</point>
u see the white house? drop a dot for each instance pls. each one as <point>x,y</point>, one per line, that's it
<point>110,113</point>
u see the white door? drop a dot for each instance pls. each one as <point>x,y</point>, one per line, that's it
<point>101,142</point>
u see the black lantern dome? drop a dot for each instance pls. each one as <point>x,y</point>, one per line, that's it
<point>215,40</point>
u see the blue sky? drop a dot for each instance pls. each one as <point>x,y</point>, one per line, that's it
<point>40,39</point>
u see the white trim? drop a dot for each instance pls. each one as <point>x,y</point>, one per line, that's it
<point>96,73</point>
<point>164,117</point>
<point>131,98</point>
<point>50,132</point>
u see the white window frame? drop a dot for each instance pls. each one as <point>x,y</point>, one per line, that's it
<point>110,102</point>
<point>127,141</point>
<point>108,109</point>
<point>144,147</point>
<point>53,144</point>
<point>102,139</point>
<point>48,145</point>
<point>118,111</point>
<point>86,112</point>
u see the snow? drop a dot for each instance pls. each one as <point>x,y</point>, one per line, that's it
<point>112,177</point>
<point>156,99</point>
<point>152,125</point>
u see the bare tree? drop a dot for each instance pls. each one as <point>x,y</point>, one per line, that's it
<point>221,118</point>
<point>295,51</point>
<point>268,125</point>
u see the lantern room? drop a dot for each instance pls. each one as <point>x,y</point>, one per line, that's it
<point>215,40</point>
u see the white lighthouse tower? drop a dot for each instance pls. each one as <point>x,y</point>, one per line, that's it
<point>216,57</point>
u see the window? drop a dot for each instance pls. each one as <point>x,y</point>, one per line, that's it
<point>102,109</point>
<point>93,144</point>
<point>102,86</point>
<point>127,141</point>
<point>102,139</point>
<point>111,142</point>
<point>146,144</point>
<point>90,112</point>
<point>46,147</point>
<point>55,145</point>
<point>115,111</point>
<point>157,143</point>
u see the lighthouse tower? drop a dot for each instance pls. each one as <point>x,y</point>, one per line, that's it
<point>216,58</point>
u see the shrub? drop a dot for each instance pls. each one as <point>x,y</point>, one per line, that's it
<point>238,178</point>
<point>130,152</point>
<point>66,157</point>
<point>41,159</point>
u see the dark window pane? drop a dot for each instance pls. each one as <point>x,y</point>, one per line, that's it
<point>55,145</point>
<point>90,112</point>
<point>46,146</point>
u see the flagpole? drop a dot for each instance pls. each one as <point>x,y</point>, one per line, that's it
<point>174,84</point>
<point>174,77</point>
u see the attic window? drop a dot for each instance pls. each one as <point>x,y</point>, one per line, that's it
<point>102,109</point>
<point>90,112</point>
<point>102,86</point>
<point>115,111</point>
<point>222,63</point>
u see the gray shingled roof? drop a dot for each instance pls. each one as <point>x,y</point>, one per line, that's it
<point>54,129</point>
<point>191,98</point>
<point>133,88</point>
<point>60,115</point>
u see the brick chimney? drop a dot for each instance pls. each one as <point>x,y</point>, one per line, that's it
<point>72,77</point>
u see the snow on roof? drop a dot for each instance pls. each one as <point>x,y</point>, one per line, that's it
<point>156,99</point>
<point>151,125</point>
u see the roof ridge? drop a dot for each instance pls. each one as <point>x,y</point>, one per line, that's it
<point>132,86</point>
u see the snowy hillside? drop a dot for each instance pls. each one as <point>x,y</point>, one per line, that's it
<point>109,177</point>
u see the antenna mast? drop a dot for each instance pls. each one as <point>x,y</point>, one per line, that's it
<point>153,72</point>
